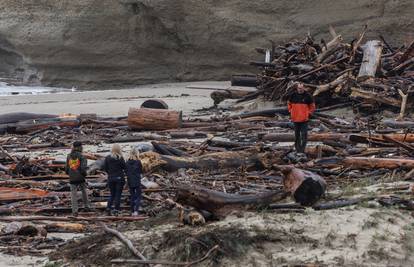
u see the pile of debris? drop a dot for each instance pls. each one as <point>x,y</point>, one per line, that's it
<point>371,75</point>
<point>208,168</point>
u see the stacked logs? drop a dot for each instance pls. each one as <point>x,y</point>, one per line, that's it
<point>371,75</point>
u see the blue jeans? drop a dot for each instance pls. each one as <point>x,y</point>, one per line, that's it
<point>135,193</point>
<point>116,185</point>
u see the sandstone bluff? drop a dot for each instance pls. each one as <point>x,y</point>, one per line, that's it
<point>106,43</point>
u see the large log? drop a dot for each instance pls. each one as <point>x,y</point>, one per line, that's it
<point>65,227</point>
<point>28,126</point>
<point>371,59</point>
<point>154,119</point>
<point>267,113</point>
<point>213,161</point>
<point>399,124</point>
<point>220,95</point>
<point>22,116</point>
<point>366,163</point>
<point>321,137</point>
<point>374,97</point>
<point>290,137</point>
<point>68,219</point>
<point>365,138</point>
<point>306,187</point>
<point>244,80</point>
<point>8,194</point>
<point>221,204</point>
<point>335,83</point>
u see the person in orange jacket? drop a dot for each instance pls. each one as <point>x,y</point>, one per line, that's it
<point>300,105</point>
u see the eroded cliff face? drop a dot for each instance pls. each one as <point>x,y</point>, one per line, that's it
<point>105,43</point>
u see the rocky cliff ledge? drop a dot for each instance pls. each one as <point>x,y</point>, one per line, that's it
<point>105,43</point>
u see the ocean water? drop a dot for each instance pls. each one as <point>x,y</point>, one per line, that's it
<point>6,89</point>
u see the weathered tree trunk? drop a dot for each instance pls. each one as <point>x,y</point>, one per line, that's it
<point>8,194</point>
<point>154,119</point>
<point>213,161</point>
<point>23,127</point>
<point>187,134</point>
<point>220,95</point>
<point>374,97</point>
<point>306,187</point>
<point>366,163</point>
<point>22,116</point>
<point>371,60</point>
<point>398,124</point>
<point>335,83</point>
<point>65,227</point>
<point>290,137</point>
<point>365,138</point>
<point>267,113</point>
<point>404,98</point>
<point>221,204</point>
<point>357,138</point>
<point>244,80</point>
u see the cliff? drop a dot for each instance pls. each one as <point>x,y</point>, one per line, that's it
<point>105,43</point>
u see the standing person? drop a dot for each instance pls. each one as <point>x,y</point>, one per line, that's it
<point>76,169</point>
<point>301,105</point>
<point>114,166</point>
<point>133,171</point>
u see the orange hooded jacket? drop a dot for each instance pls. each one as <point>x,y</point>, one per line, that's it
<point>301,106</point>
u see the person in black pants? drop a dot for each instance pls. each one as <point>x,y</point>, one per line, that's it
<point>301,105</point>
<point>114,166</point>
<point>301,136</point>
<point>133,172</point>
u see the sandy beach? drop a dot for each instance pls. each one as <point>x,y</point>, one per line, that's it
<point>113,102</point>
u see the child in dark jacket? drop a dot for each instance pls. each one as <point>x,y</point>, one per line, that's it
<point>133,171</point>
<point>114,166</point>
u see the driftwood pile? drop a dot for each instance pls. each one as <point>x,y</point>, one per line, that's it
<point>206,168</point>
<point>371,75</point>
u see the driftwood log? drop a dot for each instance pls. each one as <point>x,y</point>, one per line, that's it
<point>306,187</point>
<point>154,119</point>
<point>22,116</point>
<point>290,137</point>
<point>244,80</point>
<point>213,161</point>
<point>366,163</point>
<point>68,219</point>
<point>343,137</point>
<point>221,95</point>
<point>221,204</point>
<point>371,59</point>
<point>28,126</point>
